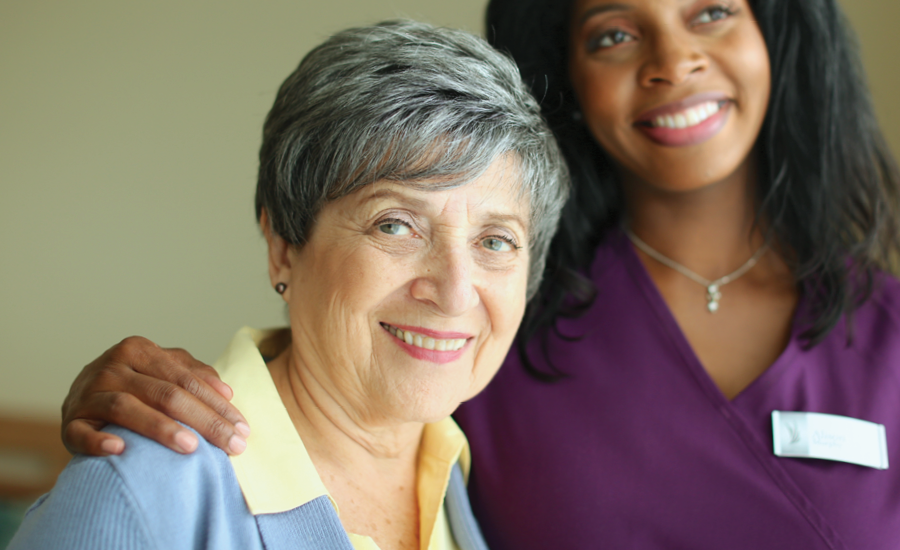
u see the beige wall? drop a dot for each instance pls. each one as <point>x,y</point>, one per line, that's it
<point>876,23</point>
<point>128,139</point>
<point>128,135</point>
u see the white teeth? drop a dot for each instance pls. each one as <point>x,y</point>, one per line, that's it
<point>426,342</point>
<point>688,117</point>
<point>693,117</point>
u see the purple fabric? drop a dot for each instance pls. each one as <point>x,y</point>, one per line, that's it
<point>639,449</point>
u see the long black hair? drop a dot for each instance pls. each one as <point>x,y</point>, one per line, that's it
<point>828,188</point>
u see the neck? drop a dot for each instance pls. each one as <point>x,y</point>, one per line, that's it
<point>340,436</point>
<point>711,231</point>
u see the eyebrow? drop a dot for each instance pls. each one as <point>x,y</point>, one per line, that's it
<point>596,10</point>
<point>385,193</point>
<point>489,217</point>
<point>496,217</point>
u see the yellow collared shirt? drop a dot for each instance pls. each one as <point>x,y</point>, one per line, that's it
<point>276,474</point>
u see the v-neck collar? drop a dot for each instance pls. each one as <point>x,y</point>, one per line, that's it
<point>730,410</point>
<point>679,340</point>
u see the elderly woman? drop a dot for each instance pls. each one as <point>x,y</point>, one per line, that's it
<point>408,188</point>
<point>734,210</point>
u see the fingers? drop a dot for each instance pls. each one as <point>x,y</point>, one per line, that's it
<point>84,436</point>
<point>130,412</point>
<point>145,388</point>
<point>203,382</point>
<point>175,402</point>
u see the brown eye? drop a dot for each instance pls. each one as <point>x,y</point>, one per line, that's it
<point>609,39</point>
<point>713,14</point>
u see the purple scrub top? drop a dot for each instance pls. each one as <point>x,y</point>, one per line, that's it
<point>638,448</point>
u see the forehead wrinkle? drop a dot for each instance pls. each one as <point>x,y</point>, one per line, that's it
<point>503,183</point>
<point>480,214</point>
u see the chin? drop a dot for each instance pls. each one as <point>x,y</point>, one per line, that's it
<point>428,413</point>
<point>689,173</point>
<point>428,404</point>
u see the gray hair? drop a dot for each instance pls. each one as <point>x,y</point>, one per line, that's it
<point>411,103</point>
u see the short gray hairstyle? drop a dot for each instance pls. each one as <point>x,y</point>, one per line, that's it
<point>411,103</point>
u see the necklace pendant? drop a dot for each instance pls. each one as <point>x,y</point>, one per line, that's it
<point>712,298</point>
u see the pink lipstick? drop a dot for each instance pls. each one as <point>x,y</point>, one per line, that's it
<point>690,121</point>
<point>429,345</point>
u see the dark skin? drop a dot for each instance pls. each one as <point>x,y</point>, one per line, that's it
<point>145,388</point>
<point>693,203</point>
<point>690,198</point>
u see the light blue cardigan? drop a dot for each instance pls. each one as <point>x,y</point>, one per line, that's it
<point>153,498</point>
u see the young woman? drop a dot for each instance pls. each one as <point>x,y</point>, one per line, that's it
<point>722,257</point>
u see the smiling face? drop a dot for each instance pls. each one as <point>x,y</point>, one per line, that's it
<point>404,302</point>
<point>674,90</point>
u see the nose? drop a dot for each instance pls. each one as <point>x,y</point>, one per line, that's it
<point>674,57</point>
<point>447,282</point>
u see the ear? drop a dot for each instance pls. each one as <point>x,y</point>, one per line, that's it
<point>279,255</point>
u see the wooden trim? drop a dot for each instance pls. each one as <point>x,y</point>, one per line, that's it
<point>37,442</point>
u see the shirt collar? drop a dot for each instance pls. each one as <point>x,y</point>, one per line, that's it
<point>275,472</point>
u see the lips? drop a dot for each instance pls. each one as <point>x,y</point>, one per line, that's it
<point>690,121</point>
<point>429,345</point>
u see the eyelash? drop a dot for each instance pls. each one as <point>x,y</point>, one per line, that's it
<point>505,238</point>
<point>728,11</point>
<point>508,240</point>
<point>393,221</point>
<point>594,43</point>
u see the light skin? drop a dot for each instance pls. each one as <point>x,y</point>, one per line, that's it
<point>692,203</point>
<point>387,255</point>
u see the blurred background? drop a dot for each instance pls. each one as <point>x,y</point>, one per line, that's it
<point>128,141</point>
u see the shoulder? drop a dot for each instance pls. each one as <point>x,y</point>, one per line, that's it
<point>882,309</point>
<point>886,295</point>
<point>874,326</point>
<point>149,468</point>
<point>148,497</point>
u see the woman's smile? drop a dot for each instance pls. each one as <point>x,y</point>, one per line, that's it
<point>690,121</point>
<point>429,345</point>
<point>396,281</point>
<point>674,90</point>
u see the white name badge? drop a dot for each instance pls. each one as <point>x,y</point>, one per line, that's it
<point>829,437</point>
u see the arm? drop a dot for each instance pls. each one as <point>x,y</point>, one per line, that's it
<point>89,509</point>
<point>145,388</point>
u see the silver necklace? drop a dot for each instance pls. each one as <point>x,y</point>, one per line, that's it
<point>713,292</point>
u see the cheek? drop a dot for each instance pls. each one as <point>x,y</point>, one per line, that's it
<point>751,66</point>
<point>505,308</point>
<point>604,96</point>
<point>338,292</point>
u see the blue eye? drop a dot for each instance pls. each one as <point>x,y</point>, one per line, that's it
<point>496,244</point>
<point>394,228</point>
